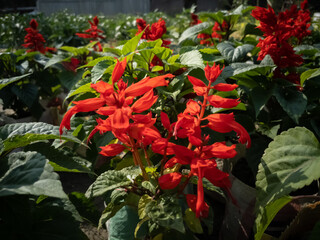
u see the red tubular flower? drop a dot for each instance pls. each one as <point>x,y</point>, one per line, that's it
<point>224,87</point>
<point>170,180</point>
<point>224,123</point>
<point>112,150</point>
<point>93,33</point>
<point>219,150</point>
<point>199,86</point>
<point>212,73</point>
<point>192,203</point>
<point>87,105</point>
<point>220,102</point>
<point>34,40</point>
<point>118,70</point>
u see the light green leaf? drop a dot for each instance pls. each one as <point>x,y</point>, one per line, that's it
<point>290,162</point>
<point>98,70</point>
<point>55,59</point>
<point>30,173</point>
<point>97,60</point>
<point>143,201</point>
<point>192,32</point>
<point>6,81</point>
<point>192,59</point>
<point>112,179</point>
<point>311,73</point>
<point>266,214</point>
<point>131,45</point>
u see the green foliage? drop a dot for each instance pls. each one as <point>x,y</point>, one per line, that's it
<point>29,173</point>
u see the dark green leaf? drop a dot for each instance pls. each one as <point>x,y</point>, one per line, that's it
<point>192,221</point>
<point>6,81</point>
<point>292,101</point>
<point>98,70</point>
<point>60,159</point>
<point>27,93</point>
<point>21,134</point>
<point>30,173</point>
<point>166,212</point>
<point>69,78</point>
<point>191,33</point>
<point>233,54</point>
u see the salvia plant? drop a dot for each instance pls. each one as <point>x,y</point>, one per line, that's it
<point>202,126</point>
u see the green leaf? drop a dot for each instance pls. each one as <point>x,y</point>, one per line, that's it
<point>27,93</point>
<point>55,59</point>
<point>131,45</point>
<point>292,101</point>
<point>192,59</point>
<point>191,33</point>
<point>252,29</point>
<point>233,54</point>
<point>166,212</point>
<point>289,163</point>
<point>69,78</point>
<point>21,134</point>
<point>97,60</point>
<point>82,89</point>
<point>112,179</point>
<point>143,201</point>
<point>192,221</point>
<point>260,96</point>
<point>109,212</point>
<point>6,81</point>
<point>311,73</point>
<point>60,159</point>
<point>266,214</point>
<point>98,70</point>
<point>30,173</point>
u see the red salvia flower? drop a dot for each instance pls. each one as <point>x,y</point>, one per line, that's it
<point>34,40</point>
<point>93,33</point>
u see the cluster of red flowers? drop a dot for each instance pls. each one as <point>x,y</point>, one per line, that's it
<point>122,115</point>
<point>205,38</point>
<point>34,40</point>
<point>278,29</point>
<point>93,33</point>
<point>154,32</point>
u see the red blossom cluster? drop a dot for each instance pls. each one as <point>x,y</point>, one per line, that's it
<point>34,40</point>
<point>122,108</point>
<point>205,38</point>
<point>278,29</point>
<point>154,32</point>
<point>93,33</point>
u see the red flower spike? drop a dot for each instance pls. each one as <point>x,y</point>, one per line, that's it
<point>102,87</point>
<point>220,102</point>
<point>93,33</point>
<point>119,120</point>
<point>145,102</point>
<point>159,145</point>
<point>224,123</point>
<point>165,121</point>
<point>192,202</point>
<point>199,86</point>
<point>34,40</point>
<point>118,70</point>
<point>87,105</point>
<point>147,84</point>
<point>212,73</point>
<point>193,108</point>
<point>224,87</point>
<point>112,150</point>
<point>220,150</point>
<point>170,180</point>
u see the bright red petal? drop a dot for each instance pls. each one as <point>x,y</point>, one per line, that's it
<point>112,150</point>
<point>169,181</point>
<point>118,70</point>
